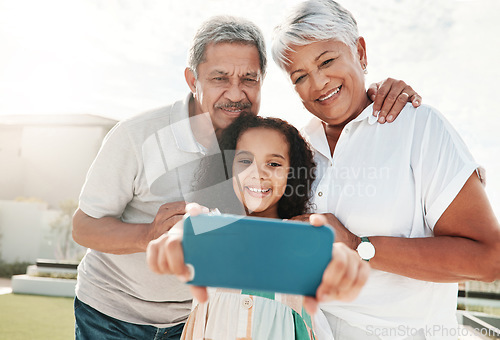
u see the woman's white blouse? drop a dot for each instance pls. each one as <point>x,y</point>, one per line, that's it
<point>393,180</point>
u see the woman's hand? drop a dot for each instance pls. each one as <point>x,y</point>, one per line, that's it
<point>389,97</point>
<point>342,234</point>
<point>344,276</point>
<point>165,255</point>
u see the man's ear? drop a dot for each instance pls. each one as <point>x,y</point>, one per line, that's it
<point>361,48</point>
<point>190,79</point>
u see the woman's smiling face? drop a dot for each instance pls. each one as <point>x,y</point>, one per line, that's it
<point>260,170</point>
<point>330,79</point>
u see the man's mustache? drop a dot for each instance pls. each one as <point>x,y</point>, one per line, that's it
<point>233,105</point>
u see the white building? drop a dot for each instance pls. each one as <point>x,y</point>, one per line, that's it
<point>47,156</point>
<point>43,162</point>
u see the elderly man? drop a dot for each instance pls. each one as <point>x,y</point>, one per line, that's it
<point>136,187</point>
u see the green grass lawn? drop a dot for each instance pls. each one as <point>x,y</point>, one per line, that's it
<point>36,317</point>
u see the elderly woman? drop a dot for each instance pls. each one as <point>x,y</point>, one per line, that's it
<point>407,196</point>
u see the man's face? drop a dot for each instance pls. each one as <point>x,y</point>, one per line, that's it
<point>229,83</point>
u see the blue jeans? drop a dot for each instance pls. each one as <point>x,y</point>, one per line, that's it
<point>90,324</point>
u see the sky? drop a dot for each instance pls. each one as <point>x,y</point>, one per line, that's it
<point>117,58</point>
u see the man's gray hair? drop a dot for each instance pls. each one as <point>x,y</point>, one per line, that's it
<point>313,21</point>
<point>226,29</point>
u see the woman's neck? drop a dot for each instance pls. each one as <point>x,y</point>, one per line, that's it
<point>332,135</point>
<point>333,131</point>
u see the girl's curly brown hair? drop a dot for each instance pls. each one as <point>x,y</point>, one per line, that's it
<point>302,172</point>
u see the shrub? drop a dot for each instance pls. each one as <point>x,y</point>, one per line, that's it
<point>14,268</point>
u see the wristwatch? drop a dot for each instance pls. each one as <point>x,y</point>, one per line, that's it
<point>365,249</point>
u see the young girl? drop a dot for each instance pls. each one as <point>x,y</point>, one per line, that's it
<point>266,145</point>
<point>268,169</point>
<point>271,169</point>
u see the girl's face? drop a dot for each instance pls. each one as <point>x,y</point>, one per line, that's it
<point>260,170</point>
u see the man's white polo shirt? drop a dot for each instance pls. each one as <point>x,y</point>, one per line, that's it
<point>144,162</point>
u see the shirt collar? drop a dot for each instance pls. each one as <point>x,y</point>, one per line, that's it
<point>315,132</point>
<point>180,124</point>
<point>181,127</point>
<point>366,114</point>
<point>315,135</point>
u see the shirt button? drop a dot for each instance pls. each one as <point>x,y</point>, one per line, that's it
<point>247,303</point>
<point>346,130</point>
<point>320,194</point>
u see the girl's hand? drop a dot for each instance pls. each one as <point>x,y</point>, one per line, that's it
<point>165,255</point>
<point>344,276</point>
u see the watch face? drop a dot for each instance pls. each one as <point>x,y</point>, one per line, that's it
<point>366,250</point>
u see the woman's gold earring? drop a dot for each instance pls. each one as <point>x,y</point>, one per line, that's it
<point>364,69</point>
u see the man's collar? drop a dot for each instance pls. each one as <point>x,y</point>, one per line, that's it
<point>181,124</point>
<point>181,127</point>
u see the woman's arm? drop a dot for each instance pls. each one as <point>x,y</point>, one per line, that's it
<point>343,278</point>
<point>466,245</point>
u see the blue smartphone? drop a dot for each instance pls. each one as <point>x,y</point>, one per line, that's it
<point>260,254</point>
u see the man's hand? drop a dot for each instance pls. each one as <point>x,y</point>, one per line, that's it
<point>111,235</point>
<point>344,276</point>
<point>389,97</point>
<point>164,255</point>
<point>166,217</point>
